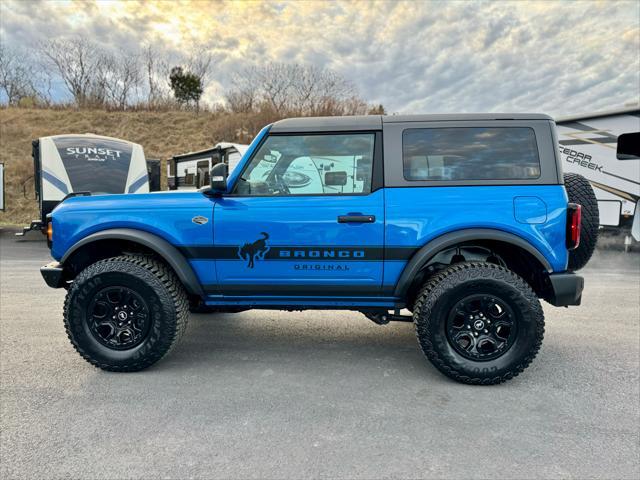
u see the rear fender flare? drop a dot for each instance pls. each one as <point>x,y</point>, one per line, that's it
<point>160,246</point>
<point>432,248</point>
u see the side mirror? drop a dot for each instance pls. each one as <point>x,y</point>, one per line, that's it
<point>218,178</point>
<point>628,146</point>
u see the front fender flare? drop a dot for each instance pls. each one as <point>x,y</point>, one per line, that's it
<point>428,251</point>
<point>164,249</point>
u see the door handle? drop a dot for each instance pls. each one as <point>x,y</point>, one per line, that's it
<point>356,219</point>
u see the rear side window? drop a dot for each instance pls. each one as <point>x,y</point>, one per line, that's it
<point>470,153</point>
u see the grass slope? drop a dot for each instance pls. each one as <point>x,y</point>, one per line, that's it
<point>161,134</point>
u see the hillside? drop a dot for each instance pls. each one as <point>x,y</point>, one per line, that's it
<point>161,134</point>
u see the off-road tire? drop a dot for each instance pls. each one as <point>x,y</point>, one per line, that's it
<point>441,292</point>
<point>579,191</point>
<point>156,283</point>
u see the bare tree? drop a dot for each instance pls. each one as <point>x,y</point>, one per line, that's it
<point>199,63</point>
<point>241,99</point>
<point>156,72</point>
<point>18,76</point>
<point>117,76</point>
<point>76,62</point>
<point>292,88</point>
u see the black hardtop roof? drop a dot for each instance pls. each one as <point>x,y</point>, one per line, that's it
<point>375,122</point>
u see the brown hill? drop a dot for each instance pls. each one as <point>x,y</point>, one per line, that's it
<point>161,134</point>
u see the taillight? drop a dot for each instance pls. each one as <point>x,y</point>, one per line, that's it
<point>574,219</point>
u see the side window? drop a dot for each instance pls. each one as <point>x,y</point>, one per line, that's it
<point>470,153</point>
<point>310,165</point>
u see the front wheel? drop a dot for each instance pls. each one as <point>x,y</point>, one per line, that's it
<point>479,323</point>
<point>125,313</point>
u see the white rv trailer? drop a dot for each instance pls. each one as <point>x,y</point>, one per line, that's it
<point>190,171</point>
<point>69,164</point>
<point>603,147</point>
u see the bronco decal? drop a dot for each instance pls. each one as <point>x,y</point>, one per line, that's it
<point>255,250</point>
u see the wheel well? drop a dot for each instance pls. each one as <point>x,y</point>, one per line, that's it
<point>513,257</point>
<point>97,250</point>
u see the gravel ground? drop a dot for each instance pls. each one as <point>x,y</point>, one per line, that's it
<point>267,394</point>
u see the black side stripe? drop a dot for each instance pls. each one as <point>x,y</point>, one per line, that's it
<point>303,253</point>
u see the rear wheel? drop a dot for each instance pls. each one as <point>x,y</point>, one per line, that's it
<point>479,323</point>
<point>125,313</point>
<point>579,191</point>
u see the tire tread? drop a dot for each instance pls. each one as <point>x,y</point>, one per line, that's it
<point>445,279</point>
<point>170,282</point>
<point>579,191</point>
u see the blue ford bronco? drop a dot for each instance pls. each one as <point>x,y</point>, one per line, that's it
<point>466,221</point>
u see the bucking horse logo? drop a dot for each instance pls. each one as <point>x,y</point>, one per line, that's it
<point>255,250</point>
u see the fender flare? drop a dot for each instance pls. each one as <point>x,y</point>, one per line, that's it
<point>164,249</point>
<point>433,247</point>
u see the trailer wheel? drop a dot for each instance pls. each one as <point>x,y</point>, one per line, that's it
<point>579,191</point>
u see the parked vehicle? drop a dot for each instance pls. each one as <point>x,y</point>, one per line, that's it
<point>464,220</point>
<point>80,163</point>
<point>190,171</point>
<point>604,147</point>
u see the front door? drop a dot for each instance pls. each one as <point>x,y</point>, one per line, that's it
<point>303,221</point>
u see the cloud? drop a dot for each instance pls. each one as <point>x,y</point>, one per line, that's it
<point>413,57</point>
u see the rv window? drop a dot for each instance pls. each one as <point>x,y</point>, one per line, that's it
<point>628,146</point>
<point>203,173</point>
<point>464,153</point>
<point>99,166</point>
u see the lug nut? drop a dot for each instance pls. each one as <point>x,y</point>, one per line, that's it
<point>486,331</point>
<point>475,333</point>
<point>468,326</point>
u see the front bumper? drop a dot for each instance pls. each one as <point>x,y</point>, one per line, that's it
<point>53,274</point>
<point>566,289</point>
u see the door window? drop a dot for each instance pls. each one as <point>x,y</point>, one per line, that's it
<point>310,165</point>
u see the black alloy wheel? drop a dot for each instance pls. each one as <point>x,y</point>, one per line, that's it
<point>481,327</point>
<point>119,318</point>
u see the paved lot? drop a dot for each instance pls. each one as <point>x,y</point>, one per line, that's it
<point>317,394</point>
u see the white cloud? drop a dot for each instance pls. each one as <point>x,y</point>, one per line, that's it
<point>554,57</point>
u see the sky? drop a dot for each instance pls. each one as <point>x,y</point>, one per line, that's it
<point>560,58</point>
